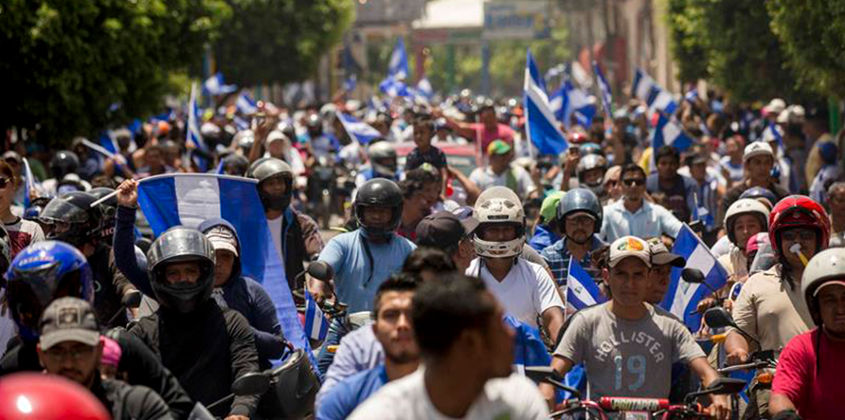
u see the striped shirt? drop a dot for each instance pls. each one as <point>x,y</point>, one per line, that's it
<point>557,256</point>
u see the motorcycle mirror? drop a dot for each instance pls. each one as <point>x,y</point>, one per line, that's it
<point>718,317</point>
<point>320,270</point>
<point>722,386</point>
<point>253,383</point>
<point>539,373</point>
<point>131,299</point>
<point>692,275</point>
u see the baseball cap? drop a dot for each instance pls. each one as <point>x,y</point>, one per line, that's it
<point>775,106</point>
<point>660,255</point>
<point>464,214</point>
<point>275,135</point>
<point>548,209</point>
<point>441,230</point>
<point>498,147</point>
<point>69,319</point>
<point>757,148</point>
<point>222,238</point>
<point>12,155</point>
<point>629,246</point>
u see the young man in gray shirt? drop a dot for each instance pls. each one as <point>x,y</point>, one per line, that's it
<point>626,344</point>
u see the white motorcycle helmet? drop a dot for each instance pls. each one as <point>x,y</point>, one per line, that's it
<point>745,206</point>
<point>499,205</point>
<point>826,266</point>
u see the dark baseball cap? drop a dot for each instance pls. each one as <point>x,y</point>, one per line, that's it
<point>660,255</point>
<point>443,230</point>
<point>69,319</point>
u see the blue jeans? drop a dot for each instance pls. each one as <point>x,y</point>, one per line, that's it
<point>337,330</point>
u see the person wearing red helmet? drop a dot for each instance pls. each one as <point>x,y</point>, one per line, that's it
<point>770,307</point>
<point>47,397</point>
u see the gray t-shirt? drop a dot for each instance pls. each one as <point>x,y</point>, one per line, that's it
<point>627,358</point>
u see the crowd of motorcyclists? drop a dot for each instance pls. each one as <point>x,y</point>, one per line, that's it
<point>424,260</point>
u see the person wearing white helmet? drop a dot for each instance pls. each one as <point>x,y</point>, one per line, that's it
<point>525,289</point>
<point>808,377</point>
<point>745,218</point>
<point>757,161</point>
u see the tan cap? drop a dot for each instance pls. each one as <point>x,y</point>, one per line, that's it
<point>629,246</point>
<point>222,238</point>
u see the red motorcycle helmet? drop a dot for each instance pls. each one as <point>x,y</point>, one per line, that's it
<point>47,397</point>
<point>798,211</point>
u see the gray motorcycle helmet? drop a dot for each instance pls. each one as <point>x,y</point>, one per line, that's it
<point>382,157</point>
<point>181,244</point>
<point>590,162</point>
<point>579,199</point>
<point>267,168</point>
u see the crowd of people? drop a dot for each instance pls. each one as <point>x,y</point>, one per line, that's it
<point>441,271</point>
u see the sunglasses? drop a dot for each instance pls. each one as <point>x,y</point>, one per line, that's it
<point>632,182</point>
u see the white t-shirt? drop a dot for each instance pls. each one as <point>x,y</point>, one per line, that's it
<point>514,397</point>
<point>526,292</point>
<point>485,178</point>
<point>276,233</point>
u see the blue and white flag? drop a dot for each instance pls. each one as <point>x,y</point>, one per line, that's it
<point>604,87</point>
<point>540,121</point>
<point>29,184</point>
<point>245,105</point>
<point>193,137</point>
<point>569,101</point>
<point>691,96</point>
<point>189,199</point>
<point>316,324</point>
<point>773,133</point>
<point>669,132</point>
<point>393,87</point>
<point>214,86</point>
<point>642,86</point>
<point>398,66</point>
<point>662,101</point>
<point>424,88</point>
<point>357,129</point>
<point>682,298</point>
<point>350,83</point>
<point>581,290</point>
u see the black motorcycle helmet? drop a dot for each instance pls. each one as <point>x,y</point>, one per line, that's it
<point>108,210</point>
<point>579,200</point>
<point>181,244</point>
<point>72,219</point>
<point>265,169</point>
<point>64,162</point>
<point>379,192</point>
<point>314,125</point>
<point>235,164</point>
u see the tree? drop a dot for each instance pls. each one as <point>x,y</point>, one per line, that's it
<point>71,68</point>
<point>735,39</point>
<point>270,41</point>
<point>688,49</point>
<point>812,35</point>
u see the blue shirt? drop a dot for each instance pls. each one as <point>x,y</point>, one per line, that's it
<point>542,238</point>
<point>351,392</point>
<point>357,276</point>
<point>650,220</point>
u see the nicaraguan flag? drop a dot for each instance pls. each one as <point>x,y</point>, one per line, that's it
<point>424,88</point>
<point>581,290</point>
<point>245,105</point>
<point>394,87</point>
<point>604,87</point>
<point>193,137</point>
<point>541,124</point>
<point>29,184</point>
<point>642,86</point>
<point>316,324</point>
<point>691,96</point>
<point>682,298</point>
<point>357,129</point>
<point>661,100</point>
<point>398,66</point>
<point>214,86</point>
<point>773,132</point>
<point>189,199</point>
<point>569,101</point>
<point>350,83</point>
<point>669,132</point>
